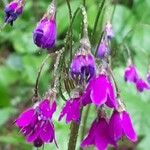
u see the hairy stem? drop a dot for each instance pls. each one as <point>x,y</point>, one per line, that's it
<point>85,117</point>
<point>73,134</point>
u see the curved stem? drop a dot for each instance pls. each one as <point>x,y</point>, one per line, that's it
<point>84,3</point>
<point>116,86</point>
<point>97,19</point>
<point>38,76</point>
<point>71,31</point>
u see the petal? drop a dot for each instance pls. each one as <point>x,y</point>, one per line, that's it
<point>47,109</point>
<point>102,139</point>
<point>25,118</point>
<point>111,101</point>
<point>128,127</point>
<point>115,126</point>
<point>90,138</point>
<point>47,132</point>
<point>35,132</point>
<point>99,90</point>
<point>141,85</point>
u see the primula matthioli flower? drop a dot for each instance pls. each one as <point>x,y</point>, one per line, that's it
<point>120,125</point>
<point>72,110</point>
<point>45,33</point>
<point>36,123</point>
<point>98,135</point>
<point>141,85</point>
<point>83,66</point>
<point>109,31</point>
<point>103,50</point>
<point>13,10</point>
<point>100,91</point>
<point>131,74</point>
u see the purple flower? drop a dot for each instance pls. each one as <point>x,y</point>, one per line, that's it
<point>98,135</point>
<point>83,66</point>
<point>13,10</point>
<point>148,78</point>
<point>100,91</point>
<point>71,110</point>
<point>120,125</point>
<point>141,85</point>
<point>109,31</point>
<point>36,123</point>
<point>130,74</point>
<point>45,33</point>
<point>103,50</point>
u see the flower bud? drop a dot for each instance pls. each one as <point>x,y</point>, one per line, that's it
<point>13,10</point>
<point>83,66</point>
<point>45,33</point>
<point>109,31</point>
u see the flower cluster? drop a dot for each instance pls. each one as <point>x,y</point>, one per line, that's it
<point>132,76</point>
<point>36,123</point>
<point>93,85</point>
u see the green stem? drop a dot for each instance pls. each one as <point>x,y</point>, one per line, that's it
<point>85,117</point>
<point>38,76</point>
<point>73,134</point>
<point>97,19</point>
<point>71,31</point>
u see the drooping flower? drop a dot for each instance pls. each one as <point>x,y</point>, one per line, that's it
<point>109,31</point>
<point>36,123</point>
<point>120,125</point>
<point>13,10</point>
<point>141,85</point>
<point>45,33</point>
<point>131,74</point>
<point>103,50</point>
<point>98,135</point>
<point>100,91</point>
<point>72,110</point>
<point>83,66</point>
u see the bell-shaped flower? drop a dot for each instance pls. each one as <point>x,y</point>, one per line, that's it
<point>98,135</point>
<point>71,110</point>
<point>120,125</point>
<point>131,74</point>
<point>141,85</point>
<point>36,123</point>
<point>100,91</point>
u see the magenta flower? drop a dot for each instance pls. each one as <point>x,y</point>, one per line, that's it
<point>103,50</point>
<point>45,33</point>
<point>13,10</point>
<point>83,66</point>
<point>98,135</point>
<point>120,125</point>
<point>130,74</point>
<point>100,91</point>
<point>71,110</point>
<point>109,31</point>
<point>36,123</point>
<point>141,85</point>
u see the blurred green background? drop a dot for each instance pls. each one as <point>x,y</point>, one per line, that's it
<point>20,60</point>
